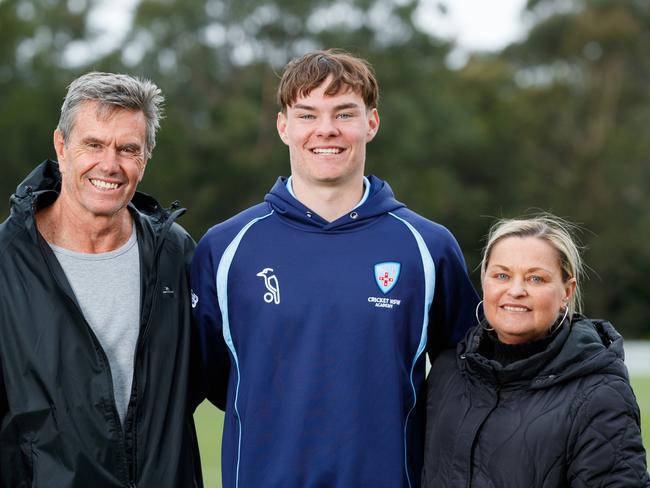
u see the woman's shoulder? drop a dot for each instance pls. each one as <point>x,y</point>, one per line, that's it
<point>446,360</point>
<point>444,372</point>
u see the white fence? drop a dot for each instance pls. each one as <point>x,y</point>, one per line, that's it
<point>637,357</point>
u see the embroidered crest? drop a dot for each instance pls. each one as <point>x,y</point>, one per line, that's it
<point>386,275</point>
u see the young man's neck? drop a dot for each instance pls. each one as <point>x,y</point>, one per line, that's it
<point>66,229</point>
<point>329,201</point>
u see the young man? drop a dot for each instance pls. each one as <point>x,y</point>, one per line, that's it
<point>94,294</point>
<point>315,308</point>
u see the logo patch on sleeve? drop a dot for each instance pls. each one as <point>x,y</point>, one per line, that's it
<point>386,275</point>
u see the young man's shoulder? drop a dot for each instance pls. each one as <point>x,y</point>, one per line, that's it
<point>227,230</point>
<point>432,232</point>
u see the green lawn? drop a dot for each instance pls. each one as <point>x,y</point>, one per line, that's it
<point>641,385</point>
<point>209,423</point>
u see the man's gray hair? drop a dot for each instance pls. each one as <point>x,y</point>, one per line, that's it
<point>112,91</point>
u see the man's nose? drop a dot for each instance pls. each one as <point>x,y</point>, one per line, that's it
<point>327,127</point>
<point>109,159</point>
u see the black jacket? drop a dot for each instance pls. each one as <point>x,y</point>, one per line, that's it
<point>59,426</point>
<point>565,417</point>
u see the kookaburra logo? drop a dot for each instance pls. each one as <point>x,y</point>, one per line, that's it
<point>271,283</point>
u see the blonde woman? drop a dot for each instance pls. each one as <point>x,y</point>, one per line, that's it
<point>537,395</point>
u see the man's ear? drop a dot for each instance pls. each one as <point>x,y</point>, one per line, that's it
<point>373,124</point>
<point>59,146</point>
<point>142,168</point>
<point>281,124</point>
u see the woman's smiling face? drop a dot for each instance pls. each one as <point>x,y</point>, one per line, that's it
<point>523,289</point>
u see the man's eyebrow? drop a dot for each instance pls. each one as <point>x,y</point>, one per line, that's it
<point>347,106</point>
<point>130,145</point>
<point>302,106</point>
<point>91,140</point>
<point>311,108</point>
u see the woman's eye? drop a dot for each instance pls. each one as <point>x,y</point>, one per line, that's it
<point>501,276</point>
<point>535,279</point>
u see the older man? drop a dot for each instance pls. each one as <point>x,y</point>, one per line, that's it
<point>94,301</point>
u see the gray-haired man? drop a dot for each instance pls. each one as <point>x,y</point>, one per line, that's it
<point>94,307</point>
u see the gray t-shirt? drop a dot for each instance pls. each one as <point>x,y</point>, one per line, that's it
<point>107,287</point>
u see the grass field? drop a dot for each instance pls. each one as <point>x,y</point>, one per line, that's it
<point>641,386</point>
<point>209,423</point>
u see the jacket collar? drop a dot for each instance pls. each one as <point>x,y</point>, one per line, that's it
<point>582,346</point>
<point>42,186</point>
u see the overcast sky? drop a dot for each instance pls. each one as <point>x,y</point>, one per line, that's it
<point>479,25</point>
<point>476,25</point>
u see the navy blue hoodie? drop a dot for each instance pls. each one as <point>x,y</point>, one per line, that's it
<point>314,334</point>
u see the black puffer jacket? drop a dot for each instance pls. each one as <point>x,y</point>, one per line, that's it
<point>59,426</point>
<point>565,417</point>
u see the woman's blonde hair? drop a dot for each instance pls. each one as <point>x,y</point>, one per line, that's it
<point>554,230</point>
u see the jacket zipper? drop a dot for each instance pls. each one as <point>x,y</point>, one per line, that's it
<point>132,411</point>
<point>470,458</point>
<point>151,294</point>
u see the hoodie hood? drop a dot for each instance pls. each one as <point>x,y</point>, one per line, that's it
<point>380,201</point>
<point>581,348</point>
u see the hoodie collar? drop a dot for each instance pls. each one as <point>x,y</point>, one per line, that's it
<point>379,201</point>
<point>364,197</point>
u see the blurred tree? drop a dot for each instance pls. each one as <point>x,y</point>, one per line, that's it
<point>33,39</point>
<point>550,123</point>
<point>583,73</point>
<point>44,44</point>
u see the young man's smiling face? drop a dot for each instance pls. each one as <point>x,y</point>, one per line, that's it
<point>327,136</point>
<point>102,162</point>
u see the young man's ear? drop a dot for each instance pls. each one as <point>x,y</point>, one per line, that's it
<point>281,124</point>
<point>373,124</point>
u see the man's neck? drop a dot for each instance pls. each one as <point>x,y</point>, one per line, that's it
<point>329,201</point>
<point>65,228</point>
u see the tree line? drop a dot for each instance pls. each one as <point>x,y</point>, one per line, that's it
<point>553,122</point>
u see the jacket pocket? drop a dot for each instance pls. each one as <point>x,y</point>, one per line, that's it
<point>29,457</point>
<point>36,428</point>
<point>16,459</point>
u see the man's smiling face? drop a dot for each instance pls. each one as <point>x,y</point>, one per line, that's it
<point>327,136</point>
<point>103,160</point>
